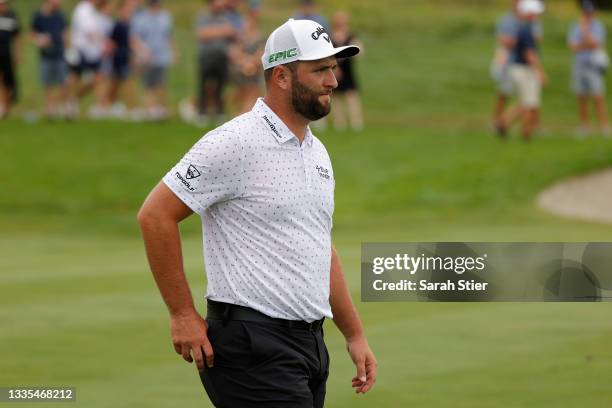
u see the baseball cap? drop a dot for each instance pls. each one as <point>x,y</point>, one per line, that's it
<point>530,7</point>
<point>301,40</point>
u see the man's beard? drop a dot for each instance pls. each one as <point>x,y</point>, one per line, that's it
<point>306,102</point>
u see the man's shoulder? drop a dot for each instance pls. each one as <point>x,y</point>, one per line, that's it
<point>318,145</point>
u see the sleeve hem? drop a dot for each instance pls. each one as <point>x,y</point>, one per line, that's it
<point>198,209</point>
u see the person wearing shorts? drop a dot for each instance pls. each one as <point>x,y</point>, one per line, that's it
<point>506,32</point>
<point>526,72</point>
<point>586,39</point>
<point>215,34</point>
<point>48,34</point>
<point>9,57</point>
<point>89,30</point>
<point>154,47</point>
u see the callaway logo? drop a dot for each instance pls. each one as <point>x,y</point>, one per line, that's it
<point>272,127</point>
<point>320,32</point>
<point>323,172</point>
<point>192,172</point>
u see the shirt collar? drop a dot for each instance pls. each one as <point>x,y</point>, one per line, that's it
<point>281,132</point>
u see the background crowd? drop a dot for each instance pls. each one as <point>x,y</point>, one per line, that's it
<point>92,58</point>
<point>519,71</point>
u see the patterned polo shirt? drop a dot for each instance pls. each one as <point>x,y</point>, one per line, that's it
<point>266,203</point>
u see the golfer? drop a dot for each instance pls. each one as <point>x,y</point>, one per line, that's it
<point>263,185</point>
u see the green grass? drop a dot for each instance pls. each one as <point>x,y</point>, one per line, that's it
<point>78,306</point>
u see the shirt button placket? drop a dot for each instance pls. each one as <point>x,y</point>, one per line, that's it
<point>305,165</point>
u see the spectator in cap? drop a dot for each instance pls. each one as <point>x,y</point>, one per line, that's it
<point>587,39</point>
<point>10,56</point>
<point>506,31</point>
<point>526,72</point>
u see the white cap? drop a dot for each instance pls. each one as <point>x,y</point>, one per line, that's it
<point>301,40</point>
<point>530,7</point>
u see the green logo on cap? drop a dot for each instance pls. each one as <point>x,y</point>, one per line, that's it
<point>282,55</point>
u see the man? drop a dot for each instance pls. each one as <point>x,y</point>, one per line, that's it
<point>89,30</point>
<point>506,31</point>
<point>215,33</point>
<point>263,185</point>
<point>9,57</point>
<point>587,39</point>
<point>48,34</point>
<point>526,72</point>
<point>155,52</point>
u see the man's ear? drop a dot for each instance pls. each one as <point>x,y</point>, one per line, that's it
<point>281,75</point>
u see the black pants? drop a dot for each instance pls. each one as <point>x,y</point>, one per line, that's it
<point>7,76</point>
<point>265,365</point>
<point>212,77</point>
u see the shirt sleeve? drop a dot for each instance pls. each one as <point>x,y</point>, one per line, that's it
<point>35,25</point>
<point>573,36</point>
<point>210,172</point>
<point>599,34</point>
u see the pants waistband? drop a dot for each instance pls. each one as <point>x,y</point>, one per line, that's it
<point>227,311</point>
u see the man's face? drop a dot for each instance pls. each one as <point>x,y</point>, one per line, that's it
<point>312,83</point>
<point>55,4</point>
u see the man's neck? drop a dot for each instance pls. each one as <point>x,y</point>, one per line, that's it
<point>296,123</point>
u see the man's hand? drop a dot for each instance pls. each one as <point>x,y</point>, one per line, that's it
<point>189,335</point>
<point>366,364</point>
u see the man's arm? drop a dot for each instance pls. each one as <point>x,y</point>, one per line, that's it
<point>158,219</point>
<point>347,320</point>
<point>534,60</point>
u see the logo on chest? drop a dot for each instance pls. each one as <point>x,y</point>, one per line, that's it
<point>323,172</point>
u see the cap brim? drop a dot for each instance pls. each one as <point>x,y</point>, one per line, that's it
<point>346,51</point>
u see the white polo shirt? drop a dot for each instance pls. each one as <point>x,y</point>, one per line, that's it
<point>266,204</point>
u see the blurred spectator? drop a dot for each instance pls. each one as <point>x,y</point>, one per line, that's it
<point>120,51</point>
<point>246,62</point>
<point>9,57</point>
<point>526,72</point>
<point>347,103</point>
<point>155,52</point>
<point>49,29</point>
<point>215,33</point>
<point>308,11</point>
<point>506,32</point>
<point>232,10</point>
<point>587,38</point>
<point>88,35</point>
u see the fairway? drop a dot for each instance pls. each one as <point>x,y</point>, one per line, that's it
<point>78,305</point>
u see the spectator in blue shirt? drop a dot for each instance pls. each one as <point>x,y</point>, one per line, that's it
<point>308,11</point>
<point>155,51</point>
<point>49,35</point>
<point>586,39</point>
